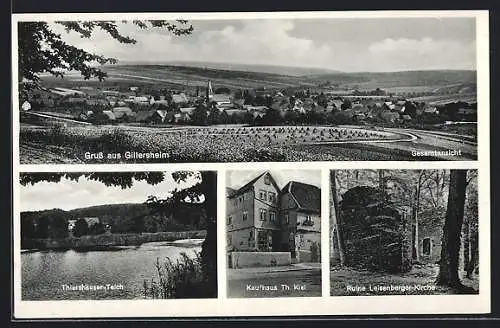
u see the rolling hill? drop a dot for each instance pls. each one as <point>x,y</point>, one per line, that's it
<point>185,216</point>
<point>249,77</point>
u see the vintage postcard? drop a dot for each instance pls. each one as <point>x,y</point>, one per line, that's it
<point>250,164</point>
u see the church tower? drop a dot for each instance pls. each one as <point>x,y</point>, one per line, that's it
<point>210,92</point>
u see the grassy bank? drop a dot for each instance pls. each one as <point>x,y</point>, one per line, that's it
<point>106,241</point>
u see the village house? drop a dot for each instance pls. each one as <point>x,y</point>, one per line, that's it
<point>221,100</point>
<point>91,221</point>
<point>121,112</point>
<point>26,106</point>
<point>179,99</point>
<point>261,217</point>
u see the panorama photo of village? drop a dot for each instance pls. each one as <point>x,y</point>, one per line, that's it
<point>247,90</point>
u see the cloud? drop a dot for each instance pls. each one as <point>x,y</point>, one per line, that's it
<point>68,194</point>
<point>290,43</point>
<point>425,53</point>
<point>255,41</point>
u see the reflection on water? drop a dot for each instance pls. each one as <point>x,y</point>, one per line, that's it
<point>46,274</point>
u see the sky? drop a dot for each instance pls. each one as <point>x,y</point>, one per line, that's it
<point>68,194</point>
<point>350,45</point>
<point>237,179</point>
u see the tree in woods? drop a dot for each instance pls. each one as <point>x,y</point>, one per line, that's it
<point>81,228</point>
<point>337,220</point>
<point>41,50</point>
<point>470,228</point>
<point>450,247</point>
<point>42,229</point>
<point>203,190</point>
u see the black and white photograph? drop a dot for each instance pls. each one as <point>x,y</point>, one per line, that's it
<point>404,232</point>
<point>118,235</point>
<point>273,229</point>
<point>243,89</point>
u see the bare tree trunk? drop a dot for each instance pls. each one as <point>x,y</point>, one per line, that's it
<point>466,243</point>
<point>381,184</point>
<point>209,246</point>
<point>337,220</point>
<point>450,246</point>
<point>416,208</point>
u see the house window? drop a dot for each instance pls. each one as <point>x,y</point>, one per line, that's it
<point>308,221</point>
<point>263,214</point>
<point>286,219</point>
<point>229,240</point>
<point>267,180</point>
<point>250,235</point>
<point>241,199</point>
<point>426,246</point>
<point>245,215</point>
<point>262,195</point>
<point>272,216</point>
<point>229,220</point>
<point>272,197</point>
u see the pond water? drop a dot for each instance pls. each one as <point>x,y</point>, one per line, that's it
<point>111,274</point>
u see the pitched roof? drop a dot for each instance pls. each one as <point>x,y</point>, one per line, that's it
<point>92,220</point>
<point>109,114</point>
<point>307,197</point>
<point>249,184</point>
<point>231,112</point>
<point>187,110</point>
<point>143,114</point>
<point>141,99</point>
<point>219,97</point>
<point>162,113</point>
<point>180,98</point>
<point>126,110</point>
<point>230,191</point>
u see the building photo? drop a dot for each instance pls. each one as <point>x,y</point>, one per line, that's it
<point>273,222</point>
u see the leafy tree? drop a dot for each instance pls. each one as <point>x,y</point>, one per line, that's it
<point>81,228</point>
<point>337,220</point>
<point>291,117</point>
<point>248,118</point>
<point>272,117</point>
<point>97,229</point>
<point>42,228</point>
<point>41,50</point>
<point>199,116</point>
<point>27,228</point>
<point>322,100</point>
<point>58,227</point>
<point>223,90</point>
<point>346,104</point>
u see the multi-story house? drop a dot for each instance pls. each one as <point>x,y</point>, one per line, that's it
<point>261,217</point>
<point>252,215</point>
<point>300,209</point>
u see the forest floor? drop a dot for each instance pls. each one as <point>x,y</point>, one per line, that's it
<point>419,281</point>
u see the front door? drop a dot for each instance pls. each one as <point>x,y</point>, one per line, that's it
<point>291,245</point>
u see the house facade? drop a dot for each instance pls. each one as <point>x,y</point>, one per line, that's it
<point>261,217</point>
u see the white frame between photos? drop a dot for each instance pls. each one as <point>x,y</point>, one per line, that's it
<point>291,306</point>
